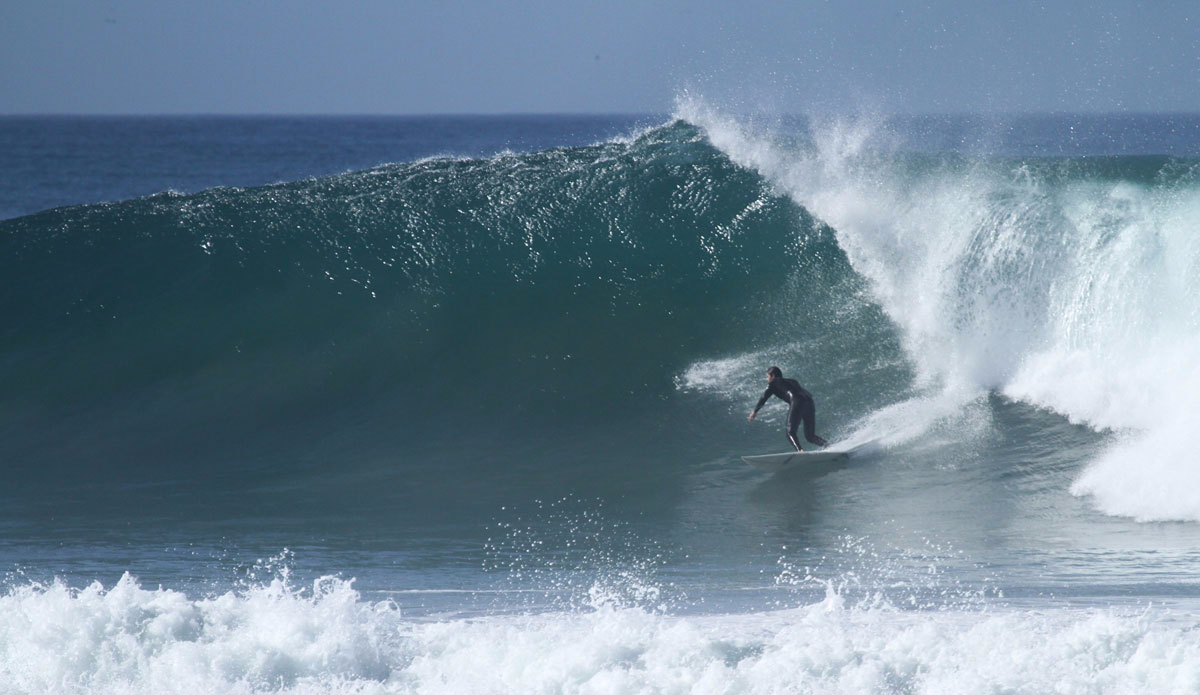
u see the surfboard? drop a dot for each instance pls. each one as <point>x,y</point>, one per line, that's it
<point>796,459</point>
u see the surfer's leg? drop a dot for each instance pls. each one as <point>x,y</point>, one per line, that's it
<point>808,412</point>
<point>793,423</point>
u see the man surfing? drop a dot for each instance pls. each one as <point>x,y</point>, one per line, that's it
<point>802,407</point>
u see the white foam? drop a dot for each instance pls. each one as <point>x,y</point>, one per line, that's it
<point>127,639</point>
<point>327,639</point>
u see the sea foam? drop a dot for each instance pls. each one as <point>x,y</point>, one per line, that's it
<point>328,639</point>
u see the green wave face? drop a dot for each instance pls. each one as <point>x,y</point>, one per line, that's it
<point>545,299</point>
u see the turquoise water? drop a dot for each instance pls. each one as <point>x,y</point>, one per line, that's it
<point>358,417</point>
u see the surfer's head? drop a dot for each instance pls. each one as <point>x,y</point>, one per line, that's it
<point>774,373</point>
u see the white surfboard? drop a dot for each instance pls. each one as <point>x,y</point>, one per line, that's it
<point>774,463</point>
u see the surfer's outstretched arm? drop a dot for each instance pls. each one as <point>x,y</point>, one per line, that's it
<point>761,402</point>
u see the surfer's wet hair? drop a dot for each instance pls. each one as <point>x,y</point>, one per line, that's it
<point>775,372</point>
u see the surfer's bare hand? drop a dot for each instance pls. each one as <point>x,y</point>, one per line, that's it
<point>752,416</point>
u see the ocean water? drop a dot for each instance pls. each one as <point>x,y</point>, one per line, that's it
<point>451,405</point>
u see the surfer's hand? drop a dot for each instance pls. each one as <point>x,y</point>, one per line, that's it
<point>752,416</point>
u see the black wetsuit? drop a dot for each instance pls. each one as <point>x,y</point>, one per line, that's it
<point>802,409</point>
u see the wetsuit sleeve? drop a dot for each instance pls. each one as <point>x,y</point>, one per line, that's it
<point>762,401</point>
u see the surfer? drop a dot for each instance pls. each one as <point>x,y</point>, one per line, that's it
<point>802,406</point>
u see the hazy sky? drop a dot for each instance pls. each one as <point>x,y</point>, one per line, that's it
<point>399,56</point>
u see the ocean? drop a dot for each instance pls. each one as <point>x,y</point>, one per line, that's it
<point>456,404</point>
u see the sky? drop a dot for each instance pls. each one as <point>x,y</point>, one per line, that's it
<point>621,56</point>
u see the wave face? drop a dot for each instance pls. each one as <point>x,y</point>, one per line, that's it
<point>598,318</point>
<point>462,316</point>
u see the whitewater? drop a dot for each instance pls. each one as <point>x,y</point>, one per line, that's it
<point>470,421</point>
<point>275,638</point>
<point>1079,298</point>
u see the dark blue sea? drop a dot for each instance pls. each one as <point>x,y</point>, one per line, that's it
<point>457,404</point>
